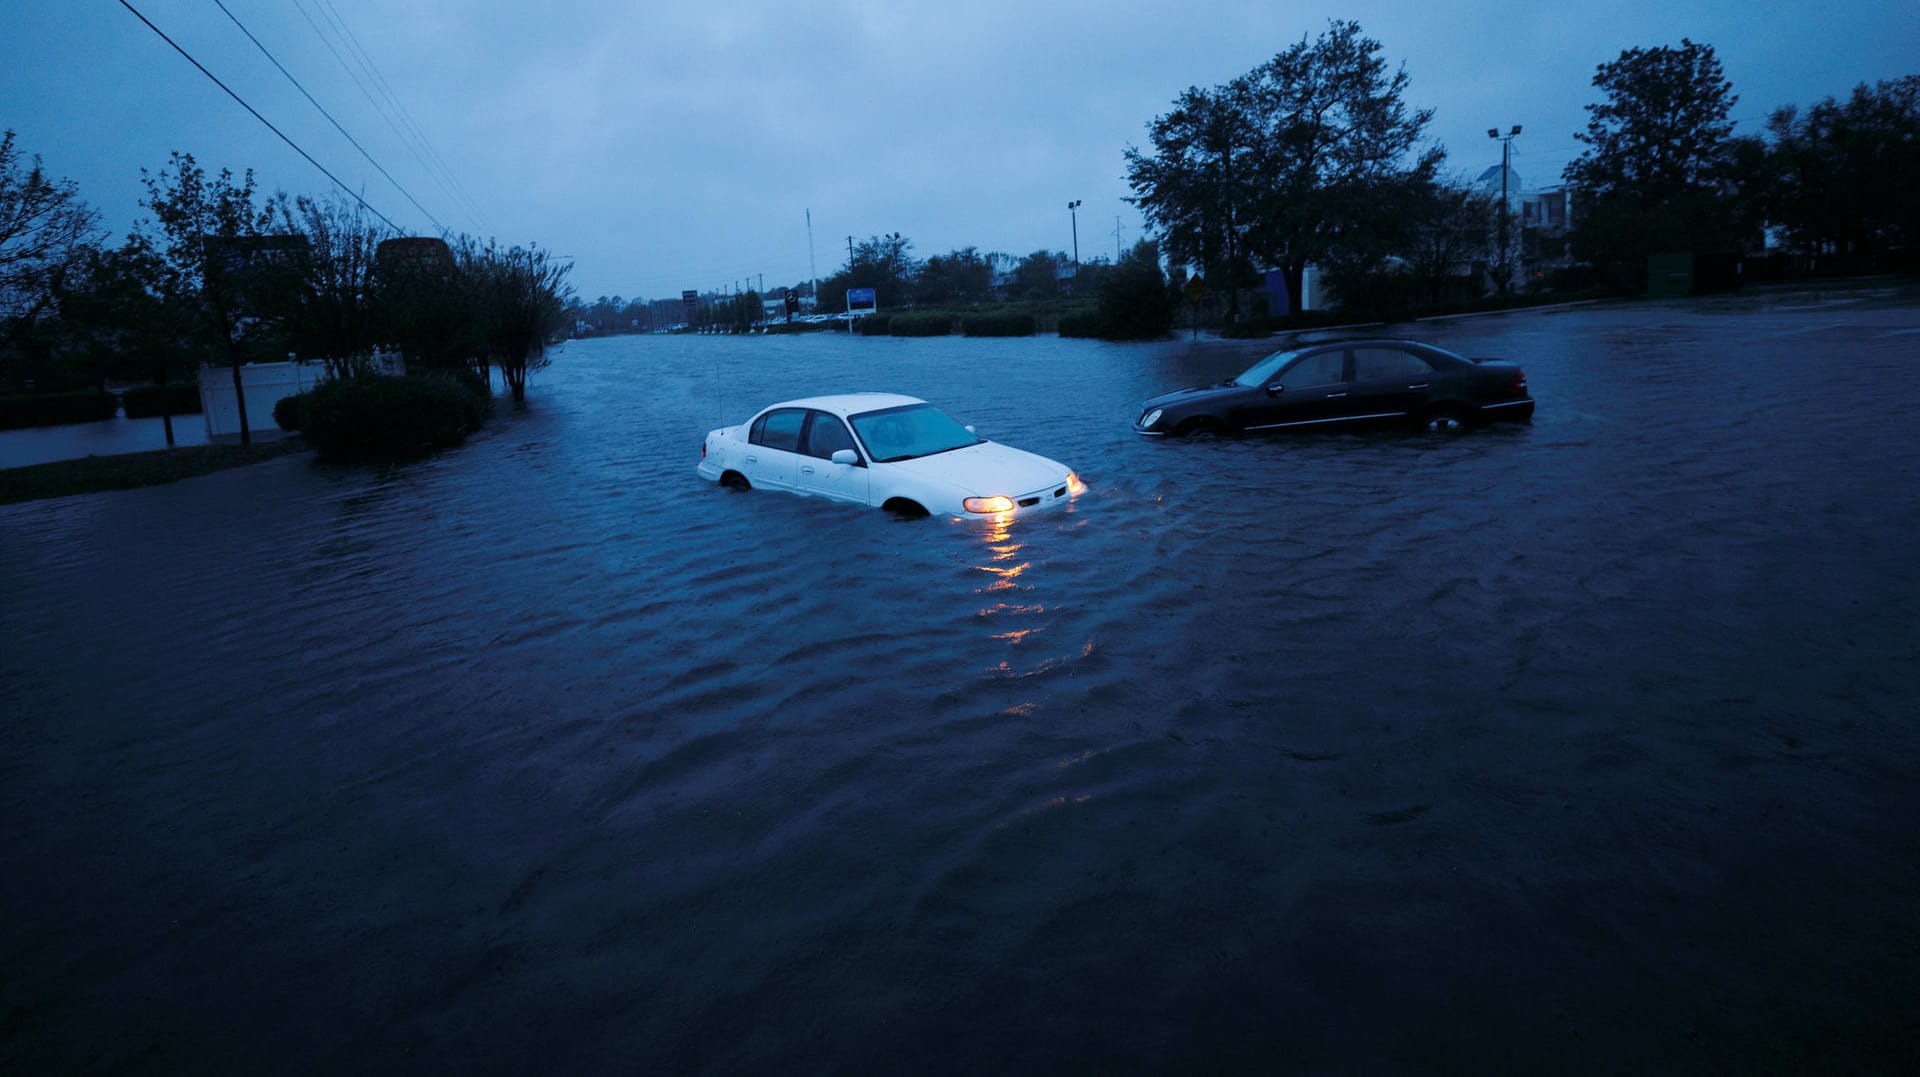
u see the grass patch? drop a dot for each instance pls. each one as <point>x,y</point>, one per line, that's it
<point>128,471</point>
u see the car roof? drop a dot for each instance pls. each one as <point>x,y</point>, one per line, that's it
<point>845,404</point>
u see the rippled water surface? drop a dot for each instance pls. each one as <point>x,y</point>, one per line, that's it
<point>1588,744</point>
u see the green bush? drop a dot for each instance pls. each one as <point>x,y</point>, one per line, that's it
<point>998,324</point>
<point>383,418</point>
<point>293,413</point>
<point>874,325</point>
<point>57,409</point>
<point>147,401</point>
<point>1086,323</point>
<point>921,325</point>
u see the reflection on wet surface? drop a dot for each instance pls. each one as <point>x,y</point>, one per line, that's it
<point>1584,744</point>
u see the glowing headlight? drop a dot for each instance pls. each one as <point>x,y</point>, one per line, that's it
<point>996,503</point>
<point>1150,417</point>
<point>1074,486</point>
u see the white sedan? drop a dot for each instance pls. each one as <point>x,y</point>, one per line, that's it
<point>895,452</point>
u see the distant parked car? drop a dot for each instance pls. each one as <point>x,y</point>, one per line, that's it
<point>1345,384</point>
<point>894,452</point>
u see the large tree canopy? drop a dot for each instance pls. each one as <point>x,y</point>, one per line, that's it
<point>1656,174</point>
<point>44,228</point>
<point>1288,163</point>
<point>1841,176</point>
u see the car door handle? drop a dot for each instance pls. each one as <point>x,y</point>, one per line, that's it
<point>753,459</point>
<point>1335,396</point>
<point>806,469</point>
<point>1422,385</point>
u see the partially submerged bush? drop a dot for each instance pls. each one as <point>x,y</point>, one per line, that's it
<point>874,325</point>
<point>998,324</point>
<point>391,418</point>
<point>921,325</point>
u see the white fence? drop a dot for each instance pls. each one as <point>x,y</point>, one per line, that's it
<point>266,384</point>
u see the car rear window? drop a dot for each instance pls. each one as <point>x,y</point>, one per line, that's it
<point>1380,364</point>
<point>779,429</point>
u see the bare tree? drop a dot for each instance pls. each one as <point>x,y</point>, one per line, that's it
<point>44,228</point>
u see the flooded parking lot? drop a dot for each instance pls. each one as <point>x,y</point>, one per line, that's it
<point>1587,744</point>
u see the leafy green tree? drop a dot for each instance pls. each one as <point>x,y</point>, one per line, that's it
<point>1134,300</point>
<point>520,301</point>
<point>1196,187</point>
<point>336,306</point>
<point>113,312</point>
<point>1285,165</point>
<point>1656,176</point>
<point>197,221</point>
<point>44,230</point>
<point>1841,177</point>
<point>1038,275</point>
<point>1453,229</point>
<point>962,276</point>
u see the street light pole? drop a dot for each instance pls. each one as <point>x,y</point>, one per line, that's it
<point>1506,157</point>
<point>1072,208</point>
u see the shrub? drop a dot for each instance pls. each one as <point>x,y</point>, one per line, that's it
<point>1085,323</point>
<point>57,409</point>
<point>921,325</point>
<point>874,325</point>
<point>293,413</point>
<point>390,418</point>
<point>146,401</point>
<point>998,324</point>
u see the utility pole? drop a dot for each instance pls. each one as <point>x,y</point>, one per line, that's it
<point>1506,156</point>
<point>1073,208</point>
<point>813,270</point>
<point>1119,244</point>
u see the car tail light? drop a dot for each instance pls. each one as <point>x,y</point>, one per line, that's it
<point>1518,386</point>
<point>703,448</point>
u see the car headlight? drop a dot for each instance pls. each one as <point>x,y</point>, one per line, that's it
<point>996,503</point>
<point>1074,486</point>
<point>1150,418</point>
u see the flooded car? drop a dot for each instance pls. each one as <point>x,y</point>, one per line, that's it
<point>1346,384</point>
<point>889,451</point>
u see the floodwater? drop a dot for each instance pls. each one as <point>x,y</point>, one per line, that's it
<point>1585,745</point>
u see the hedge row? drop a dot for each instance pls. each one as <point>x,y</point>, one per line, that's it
<point>921,325</point>
<point>56,409</point>
<point>148,401</point>
<point>999,324</point>
<point>874,325</point>
<point>382,418</point>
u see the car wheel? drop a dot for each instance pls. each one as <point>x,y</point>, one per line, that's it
<point>733,480</point>
<point>904,509</point>
<point>1201,426</point>
<point>1445,420</point>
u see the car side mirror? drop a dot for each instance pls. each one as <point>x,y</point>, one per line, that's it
<point>846,456</point>
<point>972,431</point>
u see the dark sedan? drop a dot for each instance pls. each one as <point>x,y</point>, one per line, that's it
<point>1345,384</point>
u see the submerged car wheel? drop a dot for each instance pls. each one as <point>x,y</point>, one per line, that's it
<point>1445,420</point>
<point>1201,426</point>
<point>733,480</point>
<point>903,509</point>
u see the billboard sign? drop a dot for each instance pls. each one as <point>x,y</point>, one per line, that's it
<point>861,301</point>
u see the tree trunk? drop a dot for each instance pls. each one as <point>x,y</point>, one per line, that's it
<point>1294,274</point>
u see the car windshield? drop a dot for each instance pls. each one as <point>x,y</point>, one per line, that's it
<point>1263,371</point>
<point>913,430</point>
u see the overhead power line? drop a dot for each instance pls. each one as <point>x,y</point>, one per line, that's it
<point>256,115</point>
<point>330,119</point>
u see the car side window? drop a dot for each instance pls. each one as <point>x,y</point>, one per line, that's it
<point>779,429</point>
<point>825,435</point>
<point>1385,364</point>
<point>1320,368</point>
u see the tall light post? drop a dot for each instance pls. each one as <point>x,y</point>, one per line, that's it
<point>1072,208</point>
<point>1506,157</point>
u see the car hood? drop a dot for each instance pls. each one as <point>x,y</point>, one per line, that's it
<point>1193,394</point>
<point>987,468</point>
